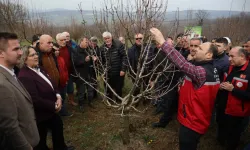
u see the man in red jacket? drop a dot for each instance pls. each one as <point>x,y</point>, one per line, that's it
<point>234,99</point>
<point>198,91</point>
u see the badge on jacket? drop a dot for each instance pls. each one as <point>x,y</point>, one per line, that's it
<point>239,84</point>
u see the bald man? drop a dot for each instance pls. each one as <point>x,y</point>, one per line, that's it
<point>234,99</point>
<point>47,58</point>
<point>197,92</point>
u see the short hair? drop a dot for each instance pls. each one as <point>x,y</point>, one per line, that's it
<point>214,39</point>
<point>248,39</point>
<point>179,35</point>
<point>4,38</point>
<point>222,40</point>
<point>36,37</point>
<point>204,39</point>
<point>170,37</point>
<point>82,38</point>
<point>213,49</point>
<point>59,35</point>
<point>194,39</point>
<point>66,33</point>
<point>94,39</point>
<point>138,34</point>
<point>242,51</point>
<point>106,34</point>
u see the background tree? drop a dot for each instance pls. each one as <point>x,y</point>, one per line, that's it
<point>201,16</point>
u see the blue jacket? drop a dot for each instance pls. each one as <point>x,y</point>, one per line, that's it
<point>221,62</point>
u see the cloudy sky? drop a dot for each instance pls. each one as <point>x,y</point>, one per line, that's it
<point>237,5</point>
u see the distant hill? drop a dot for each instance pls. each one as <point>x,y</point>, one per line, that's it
<point>63,16</point>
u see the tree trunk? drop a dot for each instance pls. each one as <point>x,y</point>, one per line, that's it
<point>125,130</point>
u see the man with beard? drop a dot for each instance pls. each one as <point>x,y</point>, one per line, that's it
<point>194,107</point>
<point>18,129</point>
<point>84,62</point>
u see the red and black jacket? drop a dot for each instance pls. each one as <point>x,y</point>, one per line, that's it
<point>238,101</point>
<point>196,105</point>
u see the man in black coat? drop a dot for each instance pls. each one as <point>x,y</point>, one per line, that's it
<point>114,59</point>
<point>83,61</point>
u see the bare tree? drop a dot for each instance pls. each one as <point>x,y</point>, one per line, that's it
<point>13,15</point>
<point>126,19</point>
<point>201,16</point>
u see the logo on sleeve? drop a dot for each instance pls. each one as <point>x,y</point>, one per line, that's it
<point>243,76</point>
<point>239,84</point>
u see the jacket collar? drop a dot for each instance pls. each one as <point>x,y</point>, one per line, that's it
<point>200,63</point>
<point>244,67</point>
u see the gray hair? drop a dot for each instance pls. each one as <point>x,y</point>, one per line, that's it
<point>66,33</point>
<point>106,34</point>
<point>241,51</point>
<point>25,55</point>
<point>58,36</point>
<point>198,39</point>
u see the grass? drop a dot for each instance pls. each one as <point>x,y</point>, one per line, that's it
<point>100,128</point>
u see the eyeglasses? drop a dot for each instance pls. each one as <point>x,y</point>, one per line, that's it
<point>34,54</point>
<point>63,40</point>
<point>138,38</point>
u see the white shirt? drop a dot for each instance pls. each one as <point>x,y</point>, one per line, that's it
<point>10,71</point>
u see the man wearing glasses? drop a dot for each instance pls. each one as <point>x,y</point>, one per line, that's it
<point>133,57</point>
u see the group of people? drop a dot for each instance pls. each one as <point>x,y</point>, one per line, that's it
<point>215,84</point>
<point>36,80</point>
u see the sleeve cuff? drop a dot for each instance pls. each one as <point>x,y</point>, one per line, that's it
<point>58,96</point>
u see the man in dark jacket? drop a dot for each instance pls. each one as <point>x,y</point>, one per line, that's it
<point>94,50</point>
<point>182,45</point>
<point>167,103</point>
<point>234,99</point>
<point>84,61</point>
<point>114,59</point>
<point>221,61</point>
<point>134,54</point>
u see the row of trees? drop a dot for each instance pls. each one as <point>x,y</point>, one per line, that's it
<point>118,18</point>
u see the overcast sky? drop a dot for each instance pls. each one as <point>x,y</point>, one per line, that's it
<point>237,5</point>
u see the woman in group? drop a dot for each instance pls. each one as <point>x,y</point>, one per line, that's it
<point>46,100</point>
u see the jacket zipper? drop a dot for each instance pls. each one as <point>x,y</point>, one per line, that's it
<point>51,65</point>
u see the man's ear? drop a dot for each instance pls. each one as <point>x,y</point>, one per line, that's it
<point>209,55</point>
<point>1,54</point>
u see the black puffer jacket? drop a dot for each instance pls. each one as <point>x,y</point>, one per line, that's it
<point>114,58</point>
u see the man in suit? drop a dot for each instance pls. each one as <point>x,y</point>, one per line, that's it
<point>18,128</point>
